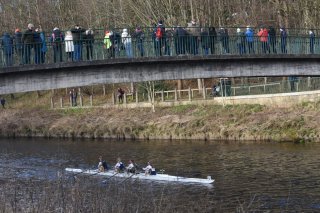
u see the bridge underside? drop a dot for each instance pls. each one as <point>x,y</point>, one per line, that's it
<point>66,75</point>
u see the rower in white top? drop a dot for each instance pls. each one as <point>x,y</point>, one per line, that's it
<point>119,167</point>
<point>149,169</point>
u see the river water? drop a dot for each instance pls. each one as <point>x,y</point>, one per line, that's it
<point>267,176</point>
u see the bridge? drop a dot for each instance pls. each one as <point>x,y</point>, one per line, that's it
<point>297,61</point>
<point>66,75</point>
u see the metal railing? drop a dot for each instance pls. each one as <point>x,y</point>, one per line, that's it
<point>169,45</point>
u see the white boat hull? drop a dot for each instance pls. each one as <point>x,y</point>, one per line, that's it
<point>142,176</point>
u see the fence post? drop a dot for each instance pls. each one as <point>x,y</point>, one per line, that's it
<point>52,104</point>
<point>309,82</point>
<point>70,100</point>
<point>104,90</point>
<point>61,102</point>
<point>113,98</point>
<point>162,96</point>
<point>81,102</point>
<point>124,98</point>
<point>204,92</point>
<point>175,95</point>
<point>189,94</point>
<point>137,97</point>
<point>91,100</point>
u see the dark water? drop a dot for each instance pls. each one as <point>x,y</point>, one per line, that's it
<point>269,176</point>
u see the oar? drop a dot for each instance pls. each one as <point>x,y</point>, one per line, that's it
<point>108,178</point>
<point>127,178</point>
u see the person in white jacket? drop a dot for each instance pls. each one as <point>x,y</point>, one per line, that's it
<point>126,40</point>
<point>68,40</point>
<point>149,170</point>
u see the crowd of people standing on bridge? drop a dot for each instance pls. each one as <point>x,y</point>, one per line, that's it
<point>33,43</point>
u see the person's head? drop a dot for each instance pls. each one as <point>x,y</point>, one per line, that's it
<point>238,30</point>
<point>17,30</point>
<point>55,29</point>
<point>68,33</point>
<point>124,30</point>
<point>160,22</point>
<point>248,27</point>
<point>77,26</point>
<point>311,31</point>
<point>193,22</point>
<point>118,159</point>
<point>100,158</point>
<point>130,161</point>
<point>30,26</point>
<point>37,30</point>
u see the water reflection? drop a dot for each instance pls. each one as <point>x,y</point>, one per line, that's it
<point>273,176</point>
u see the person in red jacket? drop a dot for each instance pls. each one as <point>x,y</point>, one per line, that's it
<point>263,36</point>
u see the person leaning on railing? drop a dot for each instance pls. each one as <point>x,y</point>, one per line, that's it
<point>139,38</point>
<point>18,45</point>
<point>77,33</point>
<point>7,48</point>
<point>57,39</point>
<point>27,39</point>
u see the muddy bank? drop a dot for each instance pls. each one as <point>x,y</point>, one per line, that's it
<point>234,122</point>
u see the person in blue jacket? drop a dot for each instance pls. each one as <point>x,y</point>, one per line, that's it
<point>250,40</point>
<point>7,49</point>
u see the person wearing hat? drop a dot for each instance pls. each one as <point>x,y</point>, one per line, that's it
<point>283,40</point>
<point>126,40</point>
<point>57,39</point>
<point>77,34</point>
<point>194,30</point>
<point>89,40</point>
<point>108,44</point>
<point>18,45</point>
<point>241,44</point>
<point>27,39</point>
<point>139,36</point>
<point>149,169</point>
<point>250,39</point>
<point>7,49</point>
<point>312,39</point>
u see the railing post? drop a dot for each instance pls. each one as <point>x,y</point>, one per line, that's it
<point>162,96</point>
<point>204,91</point>
<point>309,82</point>
<point>91,100</point>
<point>189,94</point>
<point>175,95</point>
<point>61,102</point>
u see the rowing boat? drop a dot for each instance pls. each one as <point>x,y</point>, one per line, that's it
<point>142,176</point>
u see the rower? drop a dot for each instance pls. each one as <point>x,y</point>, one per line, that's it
<point>102,166</point>
<point>131,168</point>
<point>149,169</point>
<point>119,167</point>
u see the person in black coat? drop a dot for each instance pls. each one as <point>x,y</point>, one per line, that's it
<point>180,36</point>
<point>7,48</point>
<point>18,45</point>
<point>78,39</point>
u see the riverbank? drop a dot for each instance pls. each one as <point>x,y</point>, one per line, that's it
<point>214,122</point>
